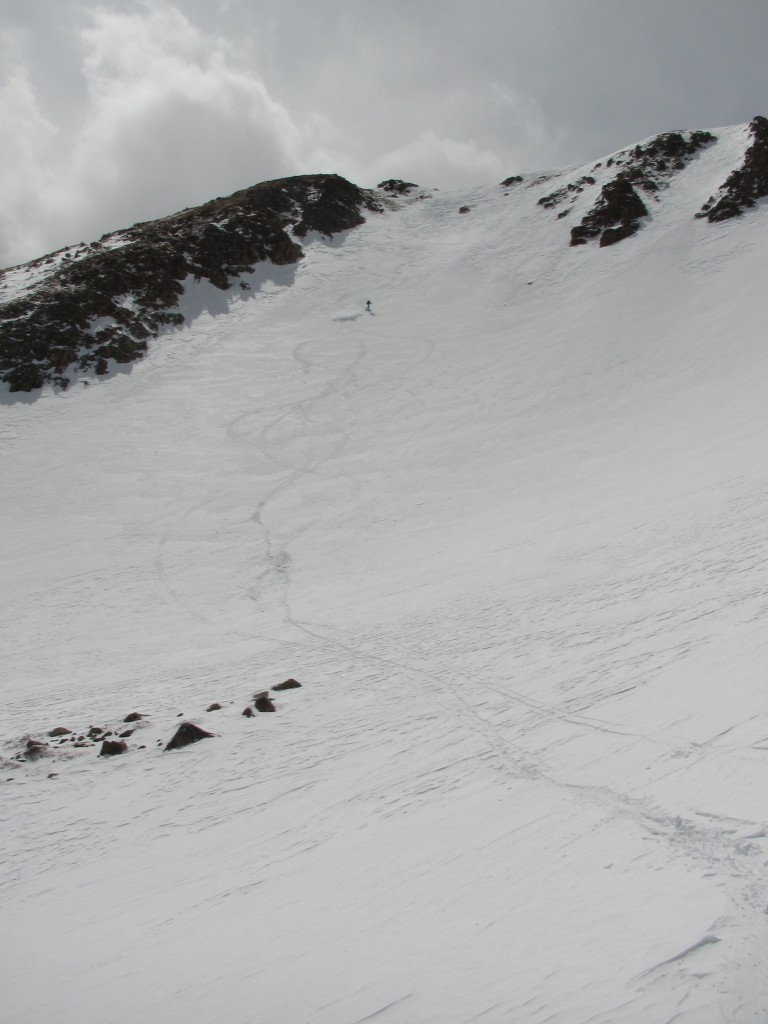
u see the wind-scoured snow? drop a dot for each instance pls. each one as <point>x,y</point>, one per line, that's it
<point>508,529</point>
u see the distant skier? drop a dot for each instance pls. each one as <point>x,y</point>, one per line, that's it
<point>368,306</point>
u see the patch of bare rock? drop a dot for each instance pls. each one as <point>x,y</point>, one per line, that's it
<point>63,741</point>
<point>618,211</point>
<point>289,684</point>
<point>746,184</point>
<point>187,733</point>
<point>396,186</point>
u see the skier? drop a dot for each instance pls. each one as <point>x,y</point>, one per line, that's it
<point>368,306</point>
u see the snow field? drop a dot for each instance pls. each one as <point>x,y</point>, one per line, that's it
<point>509,532</point>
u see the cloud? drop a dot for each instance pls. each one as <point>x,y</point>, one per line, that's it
<point>28,143</point>
<point>175,103</point>
<point>172,105</point>
<point>171,118</point>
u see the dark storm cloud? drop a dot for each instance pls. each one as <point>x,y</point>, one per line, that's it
<point>112,112</point>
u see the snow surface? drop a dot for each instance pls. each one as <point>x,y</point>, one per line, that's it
<point>509,530</point>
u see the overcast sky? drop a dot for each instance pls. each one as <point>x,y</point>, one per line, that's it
<point>114,111</point>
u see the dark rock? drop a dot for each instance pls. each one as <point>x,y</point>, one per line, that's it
<point>111,747</point>
<point>649,166</point>
<point>187,733</point>
<point>126,733</point>
<point>248,712</point>
<point>612,235</point>
<point>571,190</point>
<point>289,684</point>
<point>133,717</point>
<point>396,187</point>
<point>214,707</point>
<point>95,732</point>
<point>746,184</point>
<point>25,377</point>
<point>35,749</point>
<point>511,181</point>
<point>463,209</point>
<point>617,206</point>
<point>264,702</point>
<point>60,731</point>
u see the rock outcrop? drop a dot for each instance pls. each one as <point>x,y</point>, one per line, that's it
<point>746,184</point>
<point>110,748</point>
<point>263,702</point>
<point>396,186</point>
<point>187,733</point>
<point>97,305</point>
<point>615,215</point>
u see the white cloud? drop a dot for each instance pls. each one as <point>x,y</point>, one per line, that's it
<point>429,157</point>
<point>170,119</point>
<point>433,158</point>
<point>28,143</point>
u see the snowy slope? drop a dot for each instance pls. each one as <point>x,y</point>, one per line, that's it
<point>509,532</point>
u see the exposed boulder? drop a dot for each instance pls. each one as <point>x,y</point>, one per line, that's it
<point>109,748</point>
<point>213,707</point>
<point>60,731</point>
<point>514,180</point>
<point>263,702</point>
<point>134,716</point>
<point>248,712</point>
<point>35,749</point>
<point>289,684</point>
<point>187,733</point>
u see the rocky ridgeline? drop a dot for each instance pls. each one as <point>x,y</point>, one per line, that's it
<point>618,208</point>
<point>61,741</point>
<point>745,185</point>
<point>103,302</point>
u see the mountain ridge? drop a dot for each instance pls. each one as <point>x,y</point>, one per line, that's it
<point>102,301</point>
<point>90,308</point>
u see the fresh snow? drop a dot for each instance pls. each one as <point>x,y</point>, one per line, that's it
<point>508,529</point>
